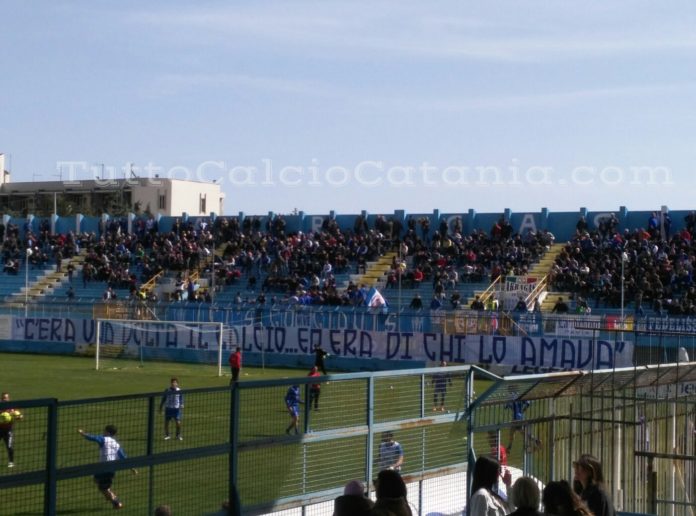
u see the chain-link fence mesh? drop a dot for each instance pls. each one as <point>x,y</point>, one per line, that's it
<point>411,421</point>
<point>427,423</point>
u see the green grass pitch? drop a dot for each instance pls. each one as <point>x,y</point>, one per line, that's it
<point>195,486</point>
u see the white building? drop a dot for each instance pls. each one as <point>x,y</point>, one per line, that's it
<point>114,196</point>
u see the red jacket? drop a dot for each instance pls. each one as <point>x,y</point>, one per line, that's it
<point>315,385</point>
<point>236,360</point>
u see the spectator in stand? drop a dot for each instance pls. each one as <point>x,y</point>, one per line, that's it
<point>560,307</point>
<point>521,305</point>
<point>477,304</point>
<point>417,277</point>
<point>537,306</point>
<point>581,226</point>
<point>11,267</point>
<point>492,305</point>
<point>416,303</point>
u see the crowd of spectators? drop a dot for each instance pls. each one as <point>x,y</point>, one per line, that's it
<point>449,257</point>
<point>658,266</point>
<point>295,267</point>
<point>120,259</point>
<point>302,268</point>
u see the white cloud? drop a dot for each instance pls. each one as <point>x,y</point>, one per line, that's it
<point>175,83</point>
<point>545,99</point>
<point>525,33</point>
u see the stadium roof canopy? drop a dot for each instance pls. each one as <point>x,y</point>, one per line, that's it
<point>651,381</point>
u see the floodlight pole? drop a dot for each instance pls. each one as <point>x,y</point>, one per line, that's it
<point>400,273</point>
<point>622,288</point>
<point>212,278</point>
<point>624,258</point>
<point>26,281</point>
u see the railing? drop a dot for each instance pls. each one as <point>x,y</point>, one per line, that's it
<point>150,284</point>
<point>490,290</point>
<point>538,290</point>
<point>238,446</point>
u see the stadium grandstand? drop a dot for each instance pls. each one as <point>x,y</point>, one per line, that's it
<point>584,317</point>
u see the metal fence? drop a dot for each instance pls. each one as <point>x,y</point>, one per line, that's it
<point>237,445</point>
<point>237,437</point>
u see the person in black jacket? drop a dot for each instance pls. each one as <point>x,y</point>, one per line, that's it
<point>319,356</point>
<point>353,502</point>
<point>588,473</point>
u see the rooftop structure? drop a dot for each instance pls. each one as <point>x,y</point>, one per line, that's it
<point>163,196</point>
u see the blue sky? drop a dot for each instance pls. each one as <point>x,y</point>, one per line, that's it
<point>361,105</point>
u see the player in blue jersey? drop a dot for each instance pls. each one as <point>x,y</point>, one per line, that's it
<point>109,450</point>
<point>173,404</point>
<point>518,407</point>
<point>292,402</point>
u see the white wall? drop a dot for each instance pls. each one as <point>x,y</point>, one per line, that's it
<point>2,170</point>
<point>186,198</point>
<point>182,196</point>
<point>147,194</point>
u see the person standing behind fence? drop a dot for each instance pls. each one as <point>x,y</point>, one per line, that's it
<point>560,500</point>
<point>109,450</point>
<point>440,382</point>
<point>525,495</point>
<point>314,389</point>
<point>173,404</point>
<point>391,494</point>
<point>7,419</point>
<point>391,454</point>
<point>236,364</point>
<point>353,502</point>
<point>485,501</point>
<point>588,472</point>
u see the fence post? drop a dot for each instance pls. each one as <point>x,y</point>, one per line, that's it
<point>51,461</point>
<point>150,451</point>
<point>370,432</point>
<point>233,495</point>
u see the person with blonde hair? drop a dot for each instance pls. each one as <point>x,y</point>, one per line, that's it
<point>526,497</point>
